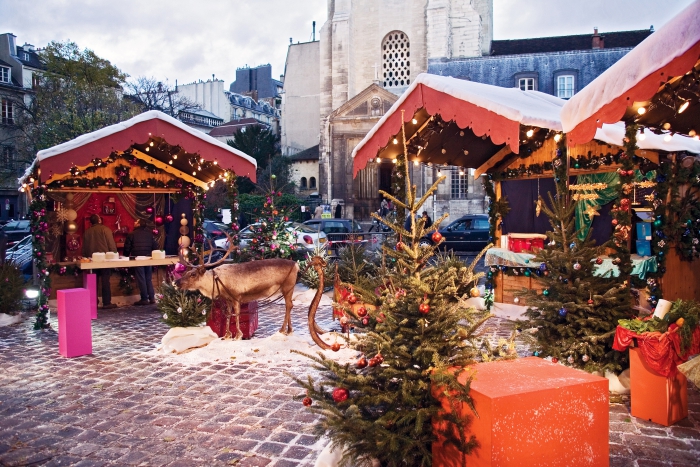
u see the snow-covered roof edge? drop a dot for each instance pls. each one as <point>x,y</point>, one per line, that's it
<point>655,52</point>
<point>615,133</point>
<point>526,107</point>
<point>146,116</point>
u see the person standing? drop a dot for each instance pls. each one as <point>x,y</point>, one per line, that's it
<point>384,207</point>
<point>427,219</point>
<point>141,242</point>
<point>338,211</point>
<point>318,213</point>
<point>99,239</point>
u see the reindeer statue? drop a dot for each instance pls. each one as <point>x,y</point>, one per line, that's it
<point>245,282</point>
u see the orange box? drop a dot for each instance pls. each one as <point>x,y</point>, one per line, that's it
<point>533,413</point>
<point>656,398</point>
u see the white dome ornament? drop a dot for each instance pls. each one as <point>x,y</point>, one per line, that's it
<point>184,240</point>
<point>516,300</point>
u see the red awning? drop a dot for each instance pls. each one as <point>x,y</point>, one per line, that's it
<point>672,51</point>
<point>488,111</point>
<point>138,130</point>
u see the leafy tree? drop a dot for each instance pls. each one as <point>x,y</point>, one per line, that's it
<point>151,94</point>
<point>78,92</point>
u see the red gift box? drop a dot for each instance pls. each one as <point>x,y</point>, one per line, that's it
<point>520,244</point>
<point>248,319</point>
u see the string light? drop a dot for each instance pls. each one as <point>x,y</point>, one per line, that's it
<point>174,156</point>
<point>151,144</point>
<point>394,161</point>
<point>415,162</point>
<point>641,110</point>
<point>683,106</point>
<point>557,137</point>
<point>170,162</point>
<point>396,141</point>
<point>530,133</point>
<point>216,162</point>
<point>414,121</point>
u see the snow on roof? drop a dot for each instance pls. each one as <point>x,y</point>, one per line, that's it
<point>87,138</point>
<point>624,82</point>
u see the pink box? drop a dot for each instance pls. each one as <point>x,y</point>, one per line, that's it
<point>90,283</point>
<point>74,324</point>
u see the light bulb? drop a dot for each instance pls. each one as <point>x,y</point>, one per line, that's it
<point>461,172</point>
<point>151,144</point>
<point>147,148</point>
<point>439,173</point>
<point>530,133</point>
<point>557,137</point>
<point>414,121</point>
<point>396,141</point>
<point>175,156</point>
<point>415,162</point>
<point>394,161</point>
<point>641,137</point>
<point>194,173</point>
<point>170,162</point>
<point>684,106</point>
<point>641,110</point>
<point>216,162</point>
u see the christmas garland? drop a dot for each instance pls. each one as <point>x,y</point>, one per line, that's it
<point>497,209</point>
<point>231,179</point>
<point>39,227</point>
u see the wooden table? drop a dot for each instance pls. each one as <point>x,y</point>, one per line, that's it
<point>90,279</point>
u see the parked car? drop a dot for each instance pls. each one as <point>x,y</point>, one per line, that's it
<point>468,233</point>
<point>340,232</point>
<point>304,236</point>
<point>16,231</point>
<point>216,232</point>
<point>21,255</point>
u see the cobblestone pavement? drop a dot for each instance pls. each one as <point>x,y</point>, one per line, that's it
<point>122,406</point>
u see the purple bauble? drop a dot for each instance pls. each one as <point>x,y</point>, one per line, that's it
<point>159,220</point>
<point>149,210</point>
<point>156,232</point>
<point>168,218</point>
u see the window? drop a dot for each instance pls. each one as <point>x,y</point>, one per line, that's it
<point>396,64</point>
<point>7,112</point>
<point>526,84</point>
<point>460,184</point>
<point>302,182</point>
<point>4,74</point>
<point>334,227</point>
<point>312,183</point>
<point>7,158</point>
<point>460,226</point>
<point>481,224</point>
<point>565,86</point>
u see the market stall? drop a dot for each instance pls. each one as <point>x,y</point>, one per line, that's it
<point>514,138</point>
<point>656,87</point>
<point>151,167</point>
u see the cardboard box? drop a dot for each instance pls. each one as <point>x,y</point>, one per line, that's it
<point>643,247</point>
<point>643,230</point>
<point>656,398</point>
<point>532,413</point>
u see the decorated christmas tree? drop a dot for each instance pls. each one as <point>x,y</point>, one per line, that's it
<point>272,237</point>
<point>416,345</point>
<point>576,313</point>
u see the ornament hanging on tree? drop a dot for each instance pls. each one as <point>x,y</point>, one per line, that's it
<point>585,358</point>
<point>555,360</point>
<point>562,311</point>
<point>340,395</point>
<point>516,300</point>
<point>436,237</point>
<point>570,359</point>
<point>474,292</point>
<point>352,298</point>
<point>361,363</point>
<point>335,346</point>
<point>599,261</point>
<point>307,401</point>
<point>577,266</point>
<point>361,312</point>
<point>545,292</point>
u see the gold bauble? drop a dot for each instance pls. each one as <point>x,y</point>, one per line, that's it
<point>71,227</point>
<point>474,292</point>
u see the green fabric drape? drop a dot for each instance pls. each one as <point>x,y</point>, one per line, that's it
<point>612,179</point>
<point>583,222</point>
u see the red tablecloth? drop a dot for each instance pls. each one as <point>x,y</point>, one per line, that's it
<point>662,352</point>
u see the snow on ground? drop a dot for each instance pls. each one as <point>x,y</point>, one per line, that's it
<point>9,320</point>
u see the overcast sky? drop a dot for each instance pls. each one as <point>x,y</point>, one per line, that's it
<point>190,40</point>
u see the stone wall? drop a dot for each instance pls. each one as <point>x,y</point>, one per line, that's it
<point>210,95</point>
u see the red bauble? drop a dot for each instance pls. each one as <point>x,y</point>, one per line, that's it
<point>340,395</point>
<point>436,237</point>
<point>614,222</point>
<point>149,210</point>
<point>379,358</point>
<point>362,312</point>
<point>599,261</point>
<point>361,363</point>
<point>555,360</point>
<point>335,346</point>
<point>307,401</point>
<point>373,362</point>
<point>352,298</point>
<point>400,246</point>
<point>159,220</point>
<point>168,218</point>
<point>156,232</point>
<point>365,321</point>
<point>424,308</point>
<point>591,302</point>
<point>625,202</point>
<point>400,293</point>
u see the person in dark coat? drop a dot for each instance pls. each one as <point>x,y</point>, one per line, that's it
<point>141,242</point>
<point>428,220</point>
<point>99,239</point>
<point>338,211</point>
<point>3,246</point>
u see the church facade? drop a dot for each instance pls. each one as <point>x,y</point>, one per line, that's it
<point>370,50</point>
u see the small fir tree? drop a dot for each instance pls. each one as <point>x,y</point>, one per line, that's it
<point>272,236</point>
<point>181,308</point>
<point>576,313</point>
<point>383,406</point>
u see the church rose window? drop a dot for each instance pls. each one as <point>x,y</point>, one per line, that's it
<point>396,56</point>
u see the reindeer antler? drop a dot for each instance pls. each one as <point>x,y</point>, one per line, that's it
<point>231,247</point>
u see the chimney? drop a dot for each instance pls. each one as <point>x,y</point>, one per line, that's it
<point>313,31</point>
<point>598,40</point>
